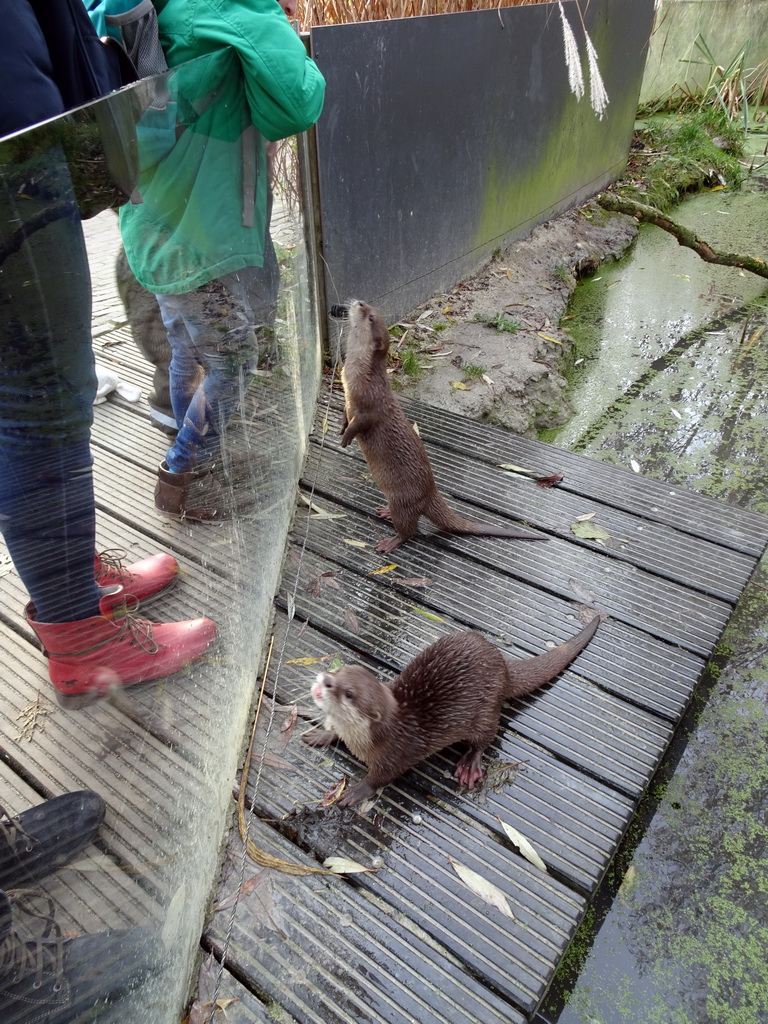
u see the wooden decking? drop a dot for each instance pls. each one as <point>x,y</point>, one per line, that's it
<point>407,941</point>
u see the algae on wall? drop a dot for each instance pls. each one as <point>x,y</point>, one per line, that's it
<point>725,26</point>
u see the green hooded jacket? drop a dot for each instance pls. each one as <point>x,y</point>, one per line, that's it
<point>240,75</point>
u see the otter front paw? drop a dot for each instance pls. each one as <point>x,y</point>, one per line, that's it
<point>469,769</point>
<point>362,791</point>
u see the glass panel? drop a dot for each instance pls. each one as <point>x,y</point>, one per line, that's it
<point>163,754</point>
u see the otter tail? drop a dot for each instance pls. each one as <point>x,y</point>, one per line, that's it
<point>442,515</point>
<point>527,674</point>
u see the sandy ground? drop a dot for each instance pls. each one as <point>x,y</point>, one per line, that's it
<point>531,282</point>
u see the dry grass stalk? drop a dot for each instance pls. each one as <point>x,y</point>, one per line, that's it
<point>343,12</point>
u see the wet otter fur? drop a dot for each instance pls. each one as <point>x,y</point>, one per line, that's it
<point>393,450</point>
<point>450,693</point>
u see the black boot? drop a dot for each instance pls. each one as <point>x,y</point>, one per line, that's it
<point>48,979</point>
<point>38,841</point>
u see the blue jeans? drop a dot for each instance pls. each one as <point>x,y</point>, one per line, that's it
<point>215,327</point>
<point>47,387</point>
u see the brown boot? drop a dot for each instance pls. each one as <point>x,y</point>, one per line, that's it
<point>202,495</point>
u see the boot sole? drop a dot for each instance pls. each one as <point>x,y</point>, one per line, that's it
<point>77,701</point>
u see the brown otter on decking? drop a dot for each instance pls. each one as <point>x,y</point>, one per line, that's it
<point>450,693</point>
<point>393,450</point>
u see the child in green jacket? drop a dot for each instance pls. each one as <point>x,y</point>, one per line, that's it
<point>199,238</point>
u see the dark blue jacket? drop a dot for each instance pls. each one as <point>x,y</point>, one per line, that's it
<point>28,91</point>
<point>51,60</point>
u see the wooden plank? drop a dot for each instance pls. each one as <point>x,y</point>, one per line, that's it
<point>655,547</point>
<point>330,954</point>
<point>654,500</point>
<point>570,818</point>
<point>514,572</point>
<point>621,744</point>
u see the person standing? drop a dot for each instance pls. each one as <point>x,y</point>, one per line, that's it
<point>78,603</point>
<point>199,239</point>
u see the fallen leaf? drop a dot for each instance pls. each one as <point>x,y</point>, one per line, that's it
<point>351,621</point>
<point>481,887</point>
<point>343,866</point>
<point>460,385</point>
<point>427,615</point>
<point>523,846</point>
<point>487,379</point>
<point>290,721</point>
<point>253,883</point>
<point>291,607</point>
<point>585,517</point>
<point>628,882</point>
<point>581,592</point>
<point>332,795</point>
<point>635,465</point>
<point>336,662</point>
<point>415,426</point>
<point>589,531</point>
<point>309,661</point>
<point>383,569</point>
<point>676,414</point>
<point>549,481</point>
<point>415,581</point>
<point>354,543</point>
<point>325,425</point>
<point>548,337</point>
<point>516,469</point>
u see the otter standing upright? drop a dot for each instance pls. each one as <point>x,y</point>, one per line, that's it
<point>393,450</point>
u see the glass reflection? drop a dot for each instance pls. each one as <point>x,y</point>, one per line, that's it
<point>122,868</point>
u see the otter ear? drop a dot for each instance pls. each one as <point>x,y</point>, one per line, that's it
<point>377,717</point>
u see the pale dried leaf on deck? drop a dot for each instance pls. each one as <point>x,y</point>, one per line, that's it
<point>523,845</point>
<point>581,592</point>
<point>344,866</point>
<point>589,531</point>
<point>481,887</point>
<point>351,621</point>
<point>383,569</point>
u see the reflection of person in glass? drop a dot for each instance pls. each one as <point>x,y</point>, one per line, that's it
<point>199,239</point>
<point>47,385</point>
<point>78,608</point>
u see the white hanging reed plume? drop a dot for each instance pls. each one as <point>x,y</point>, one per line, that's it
<point>598,97</point>
<point>572,59</point>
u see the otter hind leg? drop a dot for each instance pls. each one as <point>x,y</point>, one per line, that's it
<point>405,522</point>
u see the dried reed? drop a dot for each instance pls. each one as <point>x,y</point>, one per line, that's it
<point>342,12</point>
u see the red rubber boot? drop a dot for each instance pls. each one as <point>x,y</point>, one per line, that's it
<point>139,580</point>
<point>88,658</point>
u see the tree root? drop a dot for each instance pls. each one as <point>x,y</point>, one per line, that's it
<point>684,236</point>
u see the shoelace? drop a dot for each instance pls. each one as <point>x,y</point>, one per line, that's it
<point>139,630</point>
<point>20,958</point>
<point>111,561</point>
<point>11,831</point>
